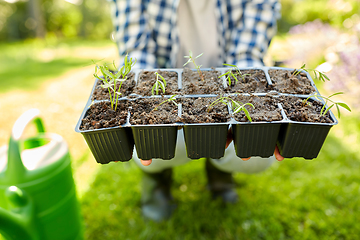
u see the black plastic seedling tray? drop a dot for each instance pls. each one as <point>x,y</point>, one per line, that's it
<point>110,144</point>
<point>294,139</point>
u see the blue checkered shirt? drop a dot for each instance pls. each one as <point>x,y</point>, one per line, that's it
<point>146,29</point>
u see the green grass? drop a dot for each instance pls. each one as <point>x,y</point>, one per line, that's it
<point>295,199</point>
<point>26,65</point>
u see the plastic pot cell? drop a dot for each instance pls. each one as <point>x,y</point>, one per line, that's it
<point>256,138</point>
<point>305,131</point>
<point>154,127</point>
<point>106,133</point>
<point>205,130</point>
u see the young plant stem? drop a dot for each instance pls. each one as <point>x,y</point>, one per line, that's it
<point>192,59</point>
<point>327,99</point>
<point>110,79</point>
<point>161,83</point>
<point>171,99</point>
<point>230,73</point>
<point>235,106</point>
<point>318,75</point>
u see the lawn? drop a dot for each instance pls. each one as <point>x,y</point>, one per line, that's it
<point>294,199</point>
<point>40,60</point>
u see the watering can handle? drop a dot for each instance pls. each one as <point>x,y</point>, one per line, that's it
<point>15,168</point>
<point>32,115</point>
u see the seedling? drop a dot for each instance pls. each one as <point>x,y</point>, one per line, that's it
<point>232,74</point>
<point>327,99</point>
<point>235,106</point>
<point>192,59</point>
<point>318,75</point>
<point>171,99</point>
<point>110,80</point>
<point>159,83</point>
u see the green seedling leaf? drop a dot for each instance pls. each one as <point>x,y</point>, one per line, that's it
<point>192,59</point>
<point>171,99</point>
<point>235,106</point>
<point>344,105</point>
<point>235,78</point>
<point>241,107</point>
<point>230,65</point>
<point>230,73</point>
<point>337,104</point>
<point>318,75</point>
<point>247,114</point>
<point>322,112</point>
<point>119,73</point>
<point>297,71</point>
<point>338,93</point>
<point>153,88</point>
<point>106,72</point>
<point>158,83</point>
<point>327,78</point>
<point>162,86</point>
<point>223,74</point>
<point>219,100</point>
<point>162,79</point>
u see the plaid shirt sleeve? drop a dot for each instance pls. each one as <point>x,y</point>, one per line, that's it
<point>132,33</point>
<point>146,30</point>
<point>247,28</point>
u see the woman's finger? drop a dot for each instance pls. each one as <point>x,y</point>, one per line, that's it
<point>228,139</point>
<point>277,154</point>
<point>146,162</point>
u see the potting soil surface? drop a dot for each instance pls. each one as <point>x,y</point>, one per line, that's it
<point>296,110</point>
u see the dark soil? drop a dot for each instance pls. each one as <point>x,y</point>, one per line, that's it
<point>195,110</point>
<point>147,80</point>
<point>296,110</point>
<point>266,109</point>
<point>142,112</point>
<point>250,81</point>
<point>192,83</point>
<point>100,115</point>
<point>285,82</point>
<point>103,93</point>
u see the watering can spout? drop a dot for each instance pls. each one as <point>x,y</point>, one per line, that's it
<point>11,227</point>
<point>16,223</point>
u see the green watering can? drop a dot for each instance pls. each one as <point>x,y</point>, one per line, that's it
<point>37,191</point>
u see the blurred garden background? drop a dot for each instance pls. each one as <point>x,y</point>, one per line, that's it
<point>47,50</point>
